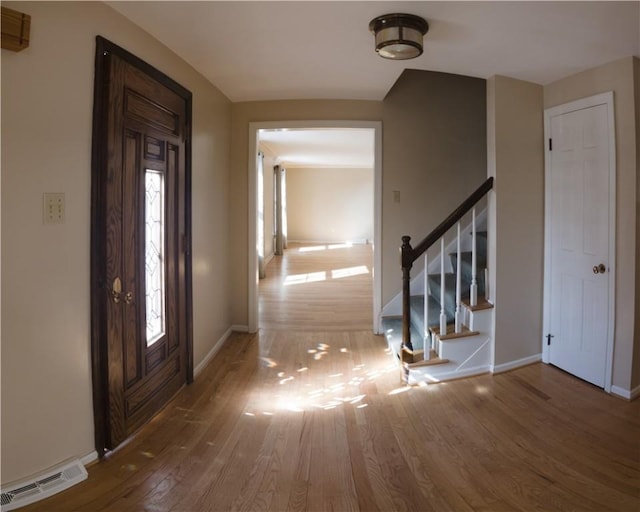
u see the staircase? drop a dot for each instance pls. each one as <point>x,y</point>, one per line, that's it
<point>440,344</point>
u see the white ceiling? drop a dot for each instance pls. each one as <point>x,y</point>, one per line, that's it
<point>268,50</point>
<point>321,147</point>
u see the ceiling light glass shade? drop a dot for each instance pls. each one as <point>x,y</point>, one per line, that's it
<point>399,36</point>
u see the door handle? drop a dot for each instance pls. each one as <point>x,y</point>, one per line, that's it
<point>128,298</point>
<point>599,269</point>
<point>116,289</point>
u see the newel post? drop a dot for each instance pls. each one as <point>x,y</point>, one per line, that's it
<point>406,252</point>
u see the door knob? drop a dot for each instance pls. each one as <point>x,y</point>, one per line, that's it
<point>116,289</point>
<point>599,269</point>
<point>128,298</point>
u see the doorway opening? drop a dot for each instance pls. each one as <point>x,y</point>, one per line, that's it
<point>268,131</point>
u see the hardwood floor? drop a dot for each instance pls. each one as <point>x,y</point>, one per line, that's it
<point>325,287</point>
<point>317,420</point>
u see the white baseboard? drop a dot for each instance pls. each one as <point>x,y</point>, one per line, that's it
<point>89,458</point>
<point>214,350</point>
<point>217,346</point>
<point>625,393</point>
<point>267,259</point>
<point>512,365</point>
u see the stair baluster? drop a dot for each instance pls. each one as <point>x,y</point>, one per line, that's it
<point>443,316</point>
<point>426,334</point>
<point>458,314</point>
<point>473,292</point>
<point>410,254</point>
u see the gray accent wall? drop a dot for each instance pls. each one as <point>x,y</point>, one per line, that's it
<point>434,155</point>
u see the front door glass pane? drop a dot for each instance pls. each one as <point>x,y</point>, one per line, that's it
<point>154,255</point>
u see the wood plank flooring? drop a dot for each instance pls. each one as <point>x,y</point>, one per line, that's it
<point>326,287</point>
<point>317,420</point>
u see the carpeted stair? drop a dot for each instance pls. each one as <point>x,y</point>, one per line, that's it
<point>392,325</point>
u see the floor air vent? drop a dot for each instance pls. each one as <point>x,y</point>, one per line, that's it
<point>47,484</point>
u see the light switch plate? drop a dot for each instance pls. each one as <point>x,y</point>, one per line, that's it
<point>53,207</point>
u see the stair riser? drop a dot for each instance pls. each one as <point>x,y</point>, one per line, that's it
<point>443,373</point>
<point>480,321</point>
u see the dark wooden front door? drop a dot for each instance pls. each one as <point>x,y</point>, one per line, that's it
<point>141,235</point>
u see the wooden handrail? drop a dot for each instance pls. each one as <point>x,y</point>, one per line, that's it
<point>410,254</point>
<point>414,253</point>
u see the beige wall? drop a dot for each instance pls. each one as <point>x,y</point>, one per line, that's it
<point>47,101</point>
<point>265,111</point>
<point>618,77</point>
<point>434,154</point>
<point>329,205</point>
<point>516,216</point>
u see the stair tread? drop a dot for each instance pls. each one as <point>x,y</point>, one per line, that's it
<point>483,303</point>
<point>427,362</point>
<point>451,334</point>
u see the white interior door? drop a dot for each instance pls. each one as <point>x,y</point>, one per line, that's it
<point>580,177</point>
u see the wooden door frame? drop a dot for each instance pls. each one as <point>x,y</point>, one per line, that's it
<point>99,359</point>
<point>592,101</point>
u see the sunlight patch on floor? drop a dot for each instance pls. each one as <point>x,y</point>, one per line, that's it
<point>314,248</point>
<point>348,272</point>
<point>312,277</point>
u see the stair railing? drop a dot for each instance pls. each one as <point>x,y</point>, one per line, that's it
<point>410,254</point>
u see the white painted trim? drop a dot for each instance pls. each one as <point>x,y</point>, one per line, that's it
<point>377,229</point>
<point>214,350</point>
<point>546,278</point>
<point>512,365</point>
<point>252,284</point>
<point>475,352</point>
<point>89,458</point>
<point>625,393</point>
<point>592,101</point>
<point>240,328</point>
<point>252,228</point>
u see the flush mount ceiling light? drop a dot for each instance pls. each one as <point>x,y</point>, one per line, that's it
<point>399,36</point>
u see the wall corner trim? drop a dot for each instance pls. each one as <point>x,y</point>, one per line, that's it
<point>625,393</point>
<point>217,346</point>
<point>89,458</point>
<point>214,350</point>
